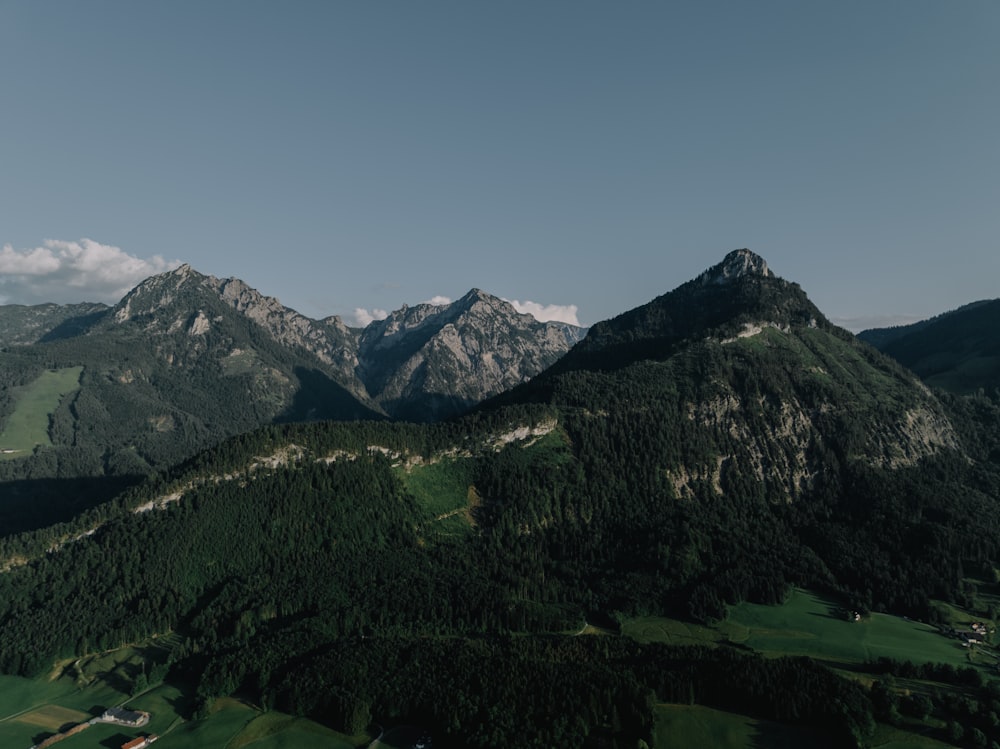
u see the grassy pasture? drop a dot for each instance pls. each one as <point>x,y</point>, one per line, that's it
<point>888,737</point>
<point>698,726</point>
<point>445,491</point>
<point>32,709</point>
<point>52,717</point>
<point>234,725</point>
<point>28,425</point>
<point>809,625</point>
<point>647,629</point>
<point>279,731</point>
<point>694,725</point>
<point>440,487</point>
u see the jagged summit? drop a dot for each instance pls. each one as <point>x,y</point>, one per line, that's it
<point>737,294</point>
<point>736,264</point>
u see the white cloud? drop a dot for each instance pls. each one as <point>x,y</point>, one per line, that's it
<point>365,317</point>
<point>66,272</point>
<point>438,301</point>
<point>547,312</point>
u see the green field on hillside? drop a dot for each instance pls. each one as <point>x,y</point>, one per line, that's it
<point>441,487</point>
<point>697,726</point>
<point>31,710</point>
<point>28,425</point>
<point>808,624</point>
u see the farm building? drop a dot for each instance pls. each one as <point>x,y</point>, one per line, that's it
<point>124,717</point>
<point>139,743</point>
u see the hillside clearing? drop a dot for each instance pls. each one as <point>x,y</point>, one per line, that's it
<point>28,426</point>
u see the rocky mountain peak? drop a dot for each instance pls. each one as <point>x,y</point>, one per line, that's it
<point>155,293</point>
<point>477,299</point>
<point>737,264</point>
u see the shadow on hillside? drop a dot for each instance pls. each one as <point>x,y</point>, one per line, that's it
<point>828,615</point>
<point>430,408</point>
<point>321,398</point>
<point>74,326</point>
<point>116,741</point>
<point>779,736</point>
<point>29,504</point>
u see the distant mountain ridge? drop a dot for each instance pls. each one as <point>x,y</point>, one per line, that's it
<point>958,351</point>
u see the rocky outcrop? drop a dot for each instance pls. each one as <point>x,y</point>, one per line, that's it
<point>428,361</point>
<point>736,264</point>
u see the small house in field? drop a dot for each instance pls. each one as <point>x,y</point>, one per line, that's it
<point>139,743</point>
<point>124,717</point>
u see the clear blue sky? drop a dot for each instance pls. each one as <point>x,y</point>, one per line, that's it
<point>344,155</point>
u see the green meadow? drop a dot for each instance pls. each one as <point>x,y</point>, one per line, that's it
<point>808,624</point>
<point>234,724</point>
<point>445,491</point>
<point>31,710</point>
<point>440,487</point>
<point>697,726</point>
<point>28,425</point>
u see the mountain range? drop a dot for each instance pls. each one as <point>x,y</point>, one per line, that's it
<point>186,359</point>
<point>720,444</point>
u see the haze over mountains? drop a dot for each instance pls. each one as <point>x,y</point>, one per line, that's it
<point>719,444</point>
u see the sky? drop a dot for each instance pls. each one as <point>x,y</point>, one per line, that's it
<point>578,158</point>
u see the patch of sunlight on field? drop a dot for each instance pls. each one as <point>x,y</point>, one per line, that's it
<point>441,487</point>
<point>28,425</point>
<point>275,730</point>
<point>31,709</point>
<point>229,717</point>
<point>235,725</point>
<point>808,624</point>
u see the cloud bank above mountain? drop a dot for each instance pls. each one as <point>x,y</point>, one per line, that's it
<point>566,313</point>
<point>72,271</point>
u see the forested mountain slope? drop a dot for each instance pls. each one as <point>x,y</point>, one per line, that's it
<point>958,351</point>
<point>705,462</point>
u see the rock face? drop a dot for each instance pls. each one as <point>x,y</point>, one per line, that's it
<point>736,264</point>
<point>427,361</point>
<point>165,302</point>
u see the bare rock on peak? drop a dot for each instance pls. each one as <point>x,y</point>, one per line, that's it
<point>736,264</point>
